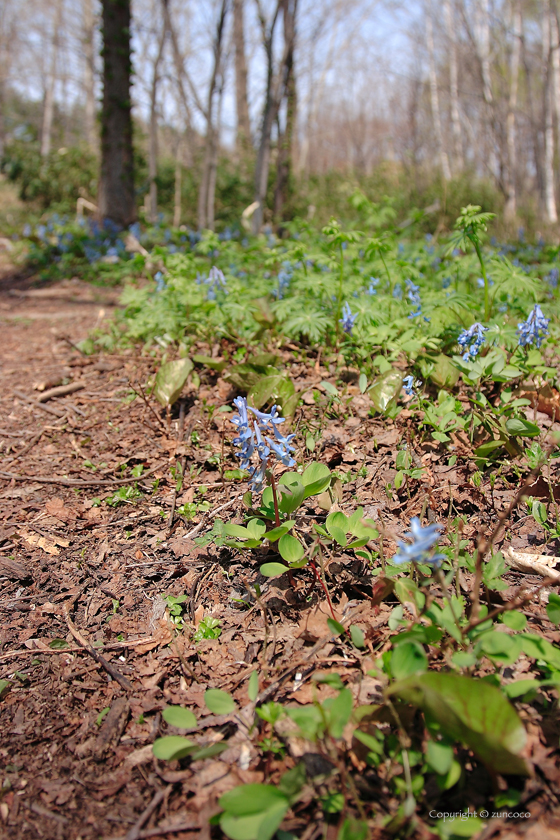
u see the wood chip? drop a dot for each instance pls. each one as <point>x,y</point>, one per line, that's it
<point>533,564</point>
<point>112,729</point>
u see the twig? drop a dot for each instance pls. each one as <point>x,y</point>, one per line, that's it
<point>25,449</point>
<point>159,830</point>
<point>48,408</point>
<point>76,482</point>
<point>135,831</point>
<point>62,390</point>
<point>205,516</point>
<point>111,670</point>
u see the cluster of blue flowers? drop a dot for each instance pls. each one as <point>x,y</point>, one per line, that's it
<point>535,329</point>
<point>409,386</point>
<point>471,341</point>
<point>373,284</point>
<point>413,294</point>
<point>284,277</point>
<point>215,281</point>
<point>552,278</point>
<point>422,542</point>
<point>348,319</point>
<point>260,436</point>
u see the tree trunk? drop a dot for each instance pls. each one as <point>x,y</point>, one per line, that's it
<point>116,199</point>
<point>285,138</point>
<point>275,87</point>
<point>243,136</point>
<point>180,74</point>
<point>208,182</point>
<point>449,11</point>
<point>548,125</point>
<point>510,209</point>
<point>556,68</point>
<point>48,107</point>
<point>178,177</point>
<point>434,96</point>
<point>89,72</point>
<point>152,162</point>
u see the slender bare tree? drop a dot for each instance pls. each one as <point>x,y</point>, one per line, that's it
<point>243,134</point>
<point>48,105</point>
<point>434,96</point>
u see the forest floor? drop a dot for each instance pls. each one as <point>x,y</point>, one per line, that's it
<point>86,640</point>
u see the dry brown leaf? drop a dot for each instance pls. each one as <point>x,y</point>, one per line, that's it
<point>37,541</point>
<point>161,636</point>
<point>56,507</point>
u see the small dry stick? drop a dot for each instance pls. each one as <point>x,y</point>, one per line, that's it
<point>111,670</point>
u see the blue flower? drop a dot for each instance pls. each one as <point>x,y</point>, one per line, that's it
<point>260,437</point>
<point>397,291</point>
<point>471,341</point>
<point>160,282</point>
<point>551,278</point>
<point>373,283</point>
<point>423,540</point>
<point>409,384</point>
<point>534,329</point>
<point>348,319</point>
<point>413,294</point>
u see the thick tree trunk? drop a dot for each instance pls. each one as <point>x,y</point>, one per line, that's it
<point>434,96</point>
<point>152,162</point>
<point>89,72</point>
<point>510,209</point>
<point>116,200</point>
<point>285,139</point>
<point>48,106</point>
<point>449,12</point>
<point>548,125</point>
<point>243,136</point>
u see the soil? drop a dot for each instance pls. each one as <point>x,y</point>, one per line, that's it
<point>88,645</point>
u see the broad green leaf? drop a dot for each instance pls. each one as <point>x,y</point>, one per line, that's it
<point>291,550</point>
<point>338,711</point>
<point>540,648</point>
<point>463,659</point>
<point>486,449</point>
<point>271,389</point>
<point>357,636</point>
<point>58,644</point>
<point>385,390</point>
<point>278,532</point>
<point>261,826</point>
<point>237,531</point>
<point>208,361</point>
<point>244,376</point>
<point>520,688</point>
<point>440,757</point>
<point>210,751</point>
<point>473,712</point>
<point>273,569</point>
<point>353,830</point>
<point>251,799</point>
<point>315,478</point>
<point>219,702</point>
<point>172,747</point>
<point>540,512</point>
<point>330,388</point>
<point>444,373</point>
<point>362,383</point>
<point>179,717</point>
<point>256,528</point>
<point>335,626</point>
<point>338,520</point>
<point>170,380</point>
<point>291,494</point>
<point>408,658</point>
<point>553,608</point>
<point>519,427</point>
<point>253,687</point>
<point>515,620</point>
<point>500,646</point>
<point>453,828</point>
<point>5,686</point>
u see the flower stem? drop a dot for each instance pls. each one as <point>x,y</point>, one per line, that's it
<point>487,311</point>
<point>275,499</point>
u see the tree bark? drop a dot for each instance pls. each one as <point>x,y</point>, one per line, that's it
<point>458,159</point>
<point>434,97</point>
<point>510,209</point>
<point>548,125</point>
<point>285,138</point>
<point>152,162</point>
<point>116,200</point>
<point>243,135</point>
<point>89,72</point>
<point>48,107</point>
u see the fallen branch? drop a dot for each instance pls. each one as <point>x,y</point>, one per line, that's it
<point>76,482</point>
<point>111,670</point>
<point>62,390</point>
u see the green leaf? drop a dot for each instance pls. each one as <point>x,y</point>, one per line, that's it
<point>444,373</point>
<point>273,569</point>
<point>210,751</point>
<point>330,388</point>
<point>357,636</point>
<point>315,478</point>
<point>463,659</point>
<point>385,390</point>
<point>252,812</point>
<point>408,658</point>
<point>439,757</point>
<point>5,686</point>
<point>179,717</point>
<point>291,550</point>
<point>486,449</point>
<point>354,830</point>
<point>540,648</point>
<point>518,427</point>
<point>515,619</point>
<point>276,533</point>
<point>335,626</point>
<point>553,608</point>
<point>338,711</point>
<point>208,361</point>
<point>362,383</point>
<point>172,747</point>
<point>219,702</point>
<point>253,687</point>
<point>473,712</point>
<point>271,389</point>
<point>500,647</point>
<point>237,531</point>
<point>58,644</point>
<point>540,513</point>
<point>170,380</point>
<point>291,493</point>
